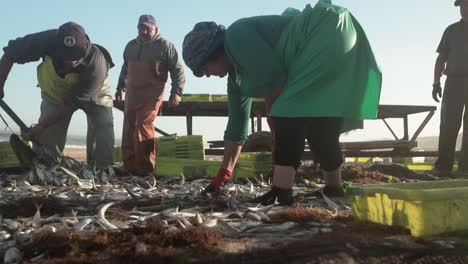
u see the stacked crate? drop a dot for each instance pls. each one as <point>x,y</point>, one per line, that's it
<point>252,164</point>
<point>181,147</point>
<point>192,169</point>
<point>8,157</point>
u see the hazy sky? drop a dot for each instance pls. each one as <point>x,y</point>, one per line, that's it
<point>403,34</point>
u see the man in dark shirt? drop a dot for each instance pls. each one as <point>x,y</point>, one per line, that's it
<point>72,75</point>
<point>453,62</point>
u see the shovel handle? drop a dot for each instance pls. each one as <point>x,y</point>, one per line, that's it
<point>13,115</point>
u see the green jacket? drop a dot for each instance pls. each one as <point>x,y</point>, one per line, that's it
<point>323,56</point>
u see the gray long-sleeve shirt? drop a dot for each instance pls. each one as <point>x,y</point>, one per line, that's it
<point>454,45</point>
<point>91,88</point>
<point>156,51</point>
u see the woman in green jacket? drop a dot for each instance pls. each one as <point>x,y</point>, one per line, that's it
<point>318,76</point>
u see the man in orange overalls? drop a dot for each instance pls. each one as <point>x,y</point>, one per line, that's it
<point>147,61</point>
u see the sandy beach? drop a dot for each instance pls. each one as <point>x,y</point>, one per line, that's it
<point>76,153</point>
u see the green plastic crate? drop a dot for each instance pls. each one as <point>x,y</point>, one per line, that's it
<point>425,208</point>
<point>219,98</point>
<point>191,168</point>
<point>252,164</point>
<point>182,147</point>
<point>8,157</point>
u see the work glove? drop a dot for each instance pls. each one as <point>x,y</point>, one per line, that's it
<point>119,95</point>
<point>436,91</point>
<point>220,179</point>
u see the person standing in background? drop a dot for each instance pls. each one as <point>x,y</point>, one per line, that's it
<point>453,62</point>
<point>147,61</point>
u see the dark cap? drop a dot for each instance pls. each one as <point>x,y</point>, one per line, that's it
<point>147,20</point>
<point>457,3</point>
<point>72,42</point>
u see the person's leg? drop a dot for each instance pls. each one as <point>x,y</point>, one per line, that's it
<point>103,123</point>
<point>145,154</point>
<point>128,138</point>
<point>289,147</point>
<point>323,133</point>
<point>463,159</point>
<point>54,137</point>
<point>90,141</point>
<point>450,123</point>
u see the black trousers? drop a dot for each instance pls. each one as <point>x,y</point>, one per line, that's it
<point>453,111</point>
<point>322,133</point>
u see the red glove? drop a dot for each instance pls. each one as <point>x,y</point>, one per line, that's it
<point>222,176</point>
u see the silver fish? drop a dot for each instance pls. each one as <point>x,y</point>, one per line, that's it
<point>37,216</point>
<point>263,209</point>
<point>22,237</point>
<point>227,229</point>
<point>330,203</point>
<point>102,218</point>
<point>181,224</point>
<point>263,216</point>
<point>82,224</point>
<point>69,173</point>
<point>10,225</point>
<point>145,217</point>
<point>182,179</point>
<point>253,216</point>
<point>198,219</point>
<point>185,221</point>
<point>176,214</point>
<point>4,235</point>
<point>86,183</point>
<point>210,223</point>
<point>13,256</point>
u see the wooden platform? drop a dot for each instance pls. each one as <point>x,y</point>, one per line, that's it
<point>401,145</point>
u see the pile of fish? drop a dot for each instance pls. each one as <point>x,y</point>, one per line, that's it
<point>45,200</point>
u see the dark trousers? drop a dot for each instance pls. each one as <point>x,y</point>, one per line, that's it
<point>453,111</point>
<point>322,133</point>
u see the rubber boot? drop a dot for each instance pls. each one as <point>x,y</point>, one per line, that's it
<point>333,183</point>
<point>281,190</point>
